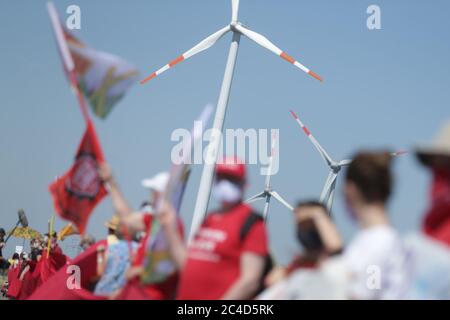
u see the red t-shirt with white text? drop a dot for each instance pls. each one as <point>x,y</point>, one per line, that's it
<point>213,262</point>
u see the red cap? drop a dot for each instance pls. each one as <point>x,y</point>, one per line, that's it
<point>231,167</point>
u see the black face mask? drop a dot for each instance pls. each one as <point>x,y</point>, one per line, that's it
<point>35,252</point>
<point>310,239</point>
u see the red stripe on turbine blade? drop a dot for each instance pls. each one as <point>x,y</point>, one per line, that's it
<point>287,57</point>
<point>293,114</point>
<point>150,77</point>
<point>315,75</point>
<point>306,131</point>
<point>177,60</point>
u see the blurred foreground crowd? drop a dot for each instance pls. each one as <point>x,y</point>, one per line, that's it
<point>229,256</point>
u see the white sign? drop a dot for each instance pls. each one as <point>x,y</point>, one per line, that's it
<point>19,249</point>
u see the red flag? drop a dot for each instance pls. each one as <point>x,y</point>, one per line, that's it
<point>56,288</point>
<point>48,266</point>
<point>77,193</point>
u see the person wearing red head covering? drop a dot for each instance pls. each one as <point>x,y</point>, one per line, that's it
<point>14,284</point>
<point>228,254</point>
<point>436,157</point>
<point>61,286</point>
<point>29,280</point>
<point>51,261</point>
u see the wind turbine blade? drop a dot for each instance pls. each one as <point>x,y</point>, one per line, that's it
<point>256,197</point>
<point>265,43</point>
<point>329,201</point>
<point>326,187</point>
<point>272,154</point>
<point>281,200</point>
<point>269,174</point>
<point>234,10</point>
<point>344,163</point>
<point>399,153</point>
<point>203,45</point>
<point>308,133</point>
<point>393,154</point>
<point>266,208</point>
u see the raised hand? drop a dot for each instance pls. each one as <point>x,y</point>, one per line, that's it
<point>105,172</point>
<point>166,214</point>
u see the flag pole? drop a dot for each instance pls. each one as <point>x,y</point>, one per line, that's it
<point>66,57</point>
<point>81,101</point>
<point>50,235</point>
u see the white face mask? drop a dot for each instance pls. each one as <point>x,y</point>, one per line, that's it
<point>226,191</point>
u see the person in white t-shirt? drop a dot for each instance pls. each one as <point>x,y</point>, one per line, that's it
<point>376,262</point>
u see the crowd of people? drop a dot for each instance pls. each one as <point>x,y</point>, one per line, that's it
<point>229,255</point>
<point>25,272</point>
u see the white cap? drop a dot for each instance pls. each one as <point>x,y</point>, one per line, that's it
<point>157,183</point>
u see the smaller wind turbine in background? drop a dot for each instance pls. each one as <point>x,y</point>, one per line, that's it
<point>327,195</point>
<point>268,192</point>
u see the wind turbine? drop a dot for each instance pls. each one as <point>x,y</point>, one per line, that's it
<point>237,29</point>
<point>268,192</point>
<point>327,195</point>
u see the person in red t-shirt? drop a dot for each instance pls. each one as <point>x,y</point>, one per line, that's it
<point>140,222</point>
<point>436,158</point>
<point>227,256</point>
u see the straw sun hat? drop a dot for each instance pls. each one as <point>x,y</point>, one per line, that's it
<point>113,223</point>
<point>438,149</point>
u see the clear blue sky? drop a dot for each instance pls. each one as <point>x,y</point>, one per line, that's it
<point>382,88</point>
